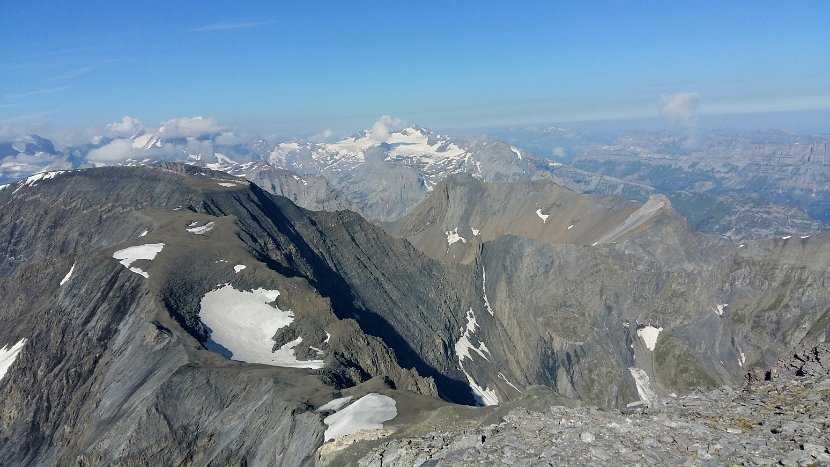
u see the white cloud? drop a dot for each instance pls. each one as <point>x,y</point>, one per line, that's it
<point>680,107</point>
<point>324,136</point>
<point>127,126</point>
<point>559,151</point>
<point>384,126</point>
<point>117,150</point>
<point>229,138</point>
<point>195,126</point>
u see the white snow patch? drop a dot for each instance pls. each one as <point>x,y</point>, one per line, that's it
<point>134,253</point>
<point>741,245</point>
<point>202,229</point>
<point>475,231</point>
<point>544,217</point>
<point>238,268</point>
<point>719,308</point>
<point>741,360</point>
<point>464,345</point>
<point>643,385</point>
<point>244,323</point>
<point>367,413</point>
<point>68,274</point>
<point>227,184</point>
<point>143,233</point>
<point>805,236</point>
<point>3,186</point>
<point>8,356</point>
<point>335,404</point>
<point>452,237</point>
<point>786,237</point>
<point>483,395</point>
<point>504,378</point>
<point>517,151</point>
<point>649,335</point>
<point>32,180</point>
<point>484,291</point>
<point>328,337</point>
<point>570,227</point>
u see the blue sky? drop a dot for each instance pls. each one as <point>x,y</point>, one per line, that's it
<point>303,66</point>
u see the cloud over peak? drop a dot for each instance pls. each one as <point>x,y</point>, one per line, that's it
<point>384,126</point>
<point>127,126</point>
<point>190,126</point>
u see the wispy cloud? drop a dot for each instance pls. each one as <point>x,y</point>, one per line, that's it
<point>22,95</point>
<point>30,116</point>
<point>72,73</point>
<point>229,26</point>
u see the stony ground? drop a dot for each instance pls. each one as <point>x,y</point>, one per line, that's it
<point>785,421</point>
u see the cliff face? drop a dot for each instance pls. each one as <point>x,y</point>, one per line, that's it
<point>608,300</point>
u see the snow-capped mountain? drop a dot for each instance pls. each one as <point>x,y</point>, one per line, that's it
<point>22,157</point>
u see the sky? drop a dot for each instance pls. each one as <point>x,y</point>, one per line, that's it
<point>304,66</point>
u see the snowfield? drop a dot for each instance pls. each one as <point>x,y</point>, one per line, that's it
<point>649,335</point>
<point>367,413</point>
<point>134,253</point>
<point>241,325</point>
<point>335,404</point>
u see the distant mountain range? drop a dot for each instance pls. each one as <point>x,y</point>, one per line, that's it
<point>733,186</point>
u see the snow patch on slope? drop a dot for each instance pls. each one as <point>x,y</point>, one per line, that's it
<point>367,413</point>
<point>202,229</point>
<point>335,404</point>
<point>68,274</point>
<point>241,325</point>
<point>8,356</point>
<point>649,335</point>
<point>134,253</point>
<point>484,291</point>
<point>452,237</point>
<point>32,180</point>
<point>643,385</point>
<point>544,217</point>
<point>463,349</point>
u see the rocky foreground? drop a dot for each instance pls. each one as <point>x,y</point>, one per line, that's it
<point>784,420</point>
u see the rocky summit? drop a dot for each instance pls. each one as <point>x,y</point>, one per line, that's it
<point>784,420</point>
